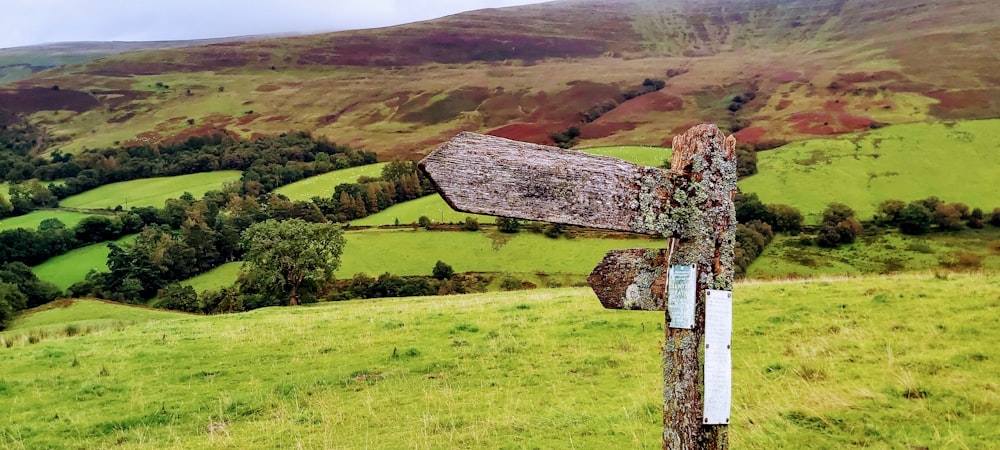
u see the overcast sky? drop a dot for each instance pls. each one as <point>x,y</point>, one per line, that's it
<point>27,22</point>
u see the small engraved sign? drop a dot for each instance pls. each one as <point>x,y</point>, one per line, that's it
<point>718,356</point>
<point>681,282</point>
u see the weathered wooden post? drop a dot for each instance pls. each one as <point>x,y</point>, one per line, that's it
<point>691,279</point>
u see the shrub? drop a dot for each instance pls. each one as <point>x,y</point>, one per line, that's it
<point>470,224</point>
<point>442,271</point>
<point>948,217</point>
<point>995,217</point>
<point>508,225</point>
<point>784,217</point>
<point>179,298</point>
<point>915,219</point>
<point>425,222</point>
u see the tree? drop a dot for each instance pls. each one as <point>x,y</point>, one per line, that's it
<point>784,217</point>
<point>915,219</point>
<point>11,301</point>
<point>179,298</point>
<point>442,271</point>
<point>289,257</point>
<point>508,225</point>
<point>470,224</point>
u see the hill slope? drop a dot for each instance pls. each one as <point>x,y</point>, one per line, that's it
<point>837,363</point>
<point>800,68</point>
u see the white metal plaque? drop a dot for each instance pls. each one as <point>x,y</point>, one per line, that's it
<point>718,356</point>
<point>681,283</point>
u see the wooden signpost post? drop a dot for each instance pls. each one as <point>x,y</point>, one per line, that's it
<point>691,279</point>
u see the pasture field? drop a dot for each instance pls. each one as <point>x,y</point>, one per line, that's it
<point>409,252</point>
<point>215,279</point>
<point>322,185</point>
<point>96,314</point>
<point>883,362</point>
<point>642,155</point>
<point>68,268</point>
<point>432,206</point>
<point>34,218</point>
<point>884,253</point>
<point>150,191</point>
<point>955,161</point>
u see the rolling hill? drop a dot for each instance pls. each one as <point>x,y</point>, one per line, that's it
<point>774,70</point>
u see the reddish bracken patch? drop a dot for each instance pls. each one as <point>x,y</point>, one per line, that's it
<point>268,87</point>
<point>750,135</point>
<point>782,105</point>
<point>833,120</point>
<point>653,102</point>
<point>603,128</point>
<point>967,104</point>
<point>247,119</point>
<point>787,76</point>
<point>33,99</point>
<point>524,132</point>
<point>276,119</point>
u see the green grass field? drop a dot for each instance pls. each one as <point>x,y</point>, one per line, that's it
<point>32,219</point>
<point>68,268</point>
<point>432,206</point>
<point>886,253</point>
<point>646,156</point>
<point>84,313</point>
<point>957,162</point>
<point>150,191</point>
<point>866,362</point>
<point>408,252</point>
<point>322,185</point>
<point>217,278</point>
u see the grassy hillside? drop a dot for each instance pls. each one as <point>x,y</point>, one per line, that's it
<point>955,161</point>
<point>150,191</point>
<point>642,155</point>
<point>872,362</point>
<point>432,206</point>
<point>94,315</point>
<point>68,268</point>
<point>406,252</point>
<point>217,278</point>
<point>322,185</point>
<point>800,70</point>
<point>31,220</point>
<point>886,253</point>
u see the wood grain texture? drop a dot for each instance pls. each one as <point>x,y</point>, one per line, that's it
<point>495,176</point>
<point>633,279</point>
<point>706,159</point>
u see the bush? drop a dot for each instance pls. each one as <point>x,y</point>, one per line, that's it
<point>179,298</point>
<point>425,222</point>
<point>889,212</point>
<point>509,283</point>
<point>508,225</point>
<point>442,271</point>
<point>995,217</point>
<point>948,217</point>
<point>784,218</point>
<point>470,224</point>
<point>915,219</point>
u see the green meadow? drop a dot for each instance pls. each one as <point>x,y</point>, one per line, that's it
<point>955,161</point>
<point>887,362</point>
<point>34,218</point>
<point>322,185</point>
<point>70,267</point>
<point>642,155</point>
<point>786,256</point>
<point>414,252</point>
<point>150,191</point>
<point>432,206</point>
<point>217,278</point>
<point>54,317</point>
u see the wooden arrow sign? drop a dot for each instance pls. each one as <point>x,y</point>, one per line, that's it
<point>499,177</point>
<point>692,205</point>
